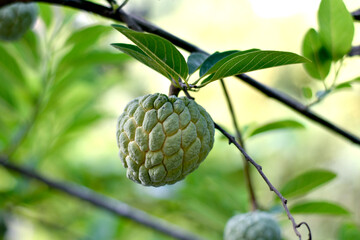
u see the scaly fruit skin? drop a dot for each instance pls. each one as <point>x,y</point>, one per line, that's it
<point>252,226</point>
<point>162,139</point>
<point>16,19</point>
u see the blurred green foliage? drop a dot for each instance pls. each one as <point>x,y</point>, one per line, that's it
<point>349,231</point>
<point>53,81</point>
<point>54,88</point>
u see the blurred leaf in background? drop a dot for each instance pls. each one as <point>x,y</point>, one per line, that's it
<point>319,207</point>
<point>52,83</point>
<point>306,182</point>
<point>53,102</point>
<point>349,231</point>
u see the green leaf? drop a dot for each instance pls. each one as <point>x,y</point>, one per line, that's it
<point>161,51</point>
<point>306,182</point>
<point>139,55</point>
<point>314,50</point>
<point>282,124</point>
<point>307,92</point>
<point>349,231</point>
<point>195,60</point>
<point>336,27</point>
<point>8,182</point>
<point>46,13</point>
<point>318,207</point>
<point>3,227</point>
<point>342,86</point>
<point>87,36</point>
<point>10,66</point>
<point>29,48</point>
<point>240,62</point>
<point>80,45</point>
<point>347,84</point>
<point>355,80</point>
<point>7,98</point>
<point>213,59</point>
<point>96,57</point>
<point>206,67</point>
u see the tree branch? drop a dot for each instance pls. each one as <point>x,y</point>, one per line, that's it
<point>103,202</point>
<point>139,23</point>
<point>298,107</point>
<point>272,188</point>
<point>356,15</point>
<point>355,51</point>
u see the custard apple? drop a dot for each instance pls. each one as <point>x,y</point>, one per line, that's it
<point>252,226</point>
<point>162,139</point>
<point>16,19</point>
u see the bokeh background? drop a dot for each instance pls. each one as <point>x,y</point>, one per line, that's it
<point>62,87</point>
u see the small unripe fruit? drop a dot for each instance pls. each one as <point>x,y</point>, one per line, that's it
<point>16,19</point>
<point>252,226</point>
<point>162,139</point>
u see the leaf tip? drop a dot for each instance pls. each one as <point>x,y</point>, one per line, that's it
<point>306,60</point>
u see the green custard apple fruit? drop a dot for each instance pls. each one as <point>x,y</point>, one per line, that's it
<point>16,19</point>
<point>162,139</point>
<point>252,226</point>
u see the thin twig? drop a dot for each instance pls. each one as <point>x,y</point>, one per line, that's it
<point>259,169</point>
<point>308,228</point>
<point>123,4</point>
<point>330,89</point>
<point>103,202</point>
<point>247,173</point>
<point>138,23</point>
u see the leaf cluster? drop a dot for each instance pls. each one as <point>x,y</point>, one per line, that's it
<point>302,185</point>
<point>332,41</point>
<point>162,56</point>
<point>49,95</point>
<point>328,46</point>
